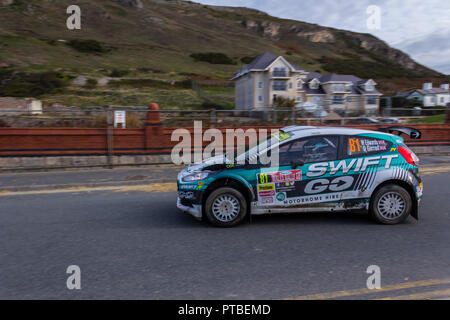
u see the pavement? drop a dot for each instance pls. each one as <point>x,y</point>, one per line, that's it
<point>129,176</point>
<point>131,242</point>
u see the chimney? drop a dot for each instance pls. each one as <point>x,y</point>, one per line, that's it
<point>445,86</point>
<point>427,86</point>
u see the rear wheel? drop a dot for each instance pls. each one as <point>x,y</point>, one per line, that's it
<point>391,204</point>
<point>225,207</point>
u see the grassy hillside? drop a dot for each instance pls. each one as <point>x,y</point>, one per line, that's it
<point>162,40</point>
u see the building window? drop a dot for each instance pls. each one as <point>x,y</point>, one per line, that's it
<point>279,85</point>
<point>290,85</point>
<point>299,99</point>
<point>299,84</point>
<point>348,87</point>
<point>349,99</point>
<point>339,87</point>
<point>314,84</point>
<point>338,100</point>
<point>274,97</point>
<point>371,100</point>
<point>370,87</point>
<point>442,99</point>
<point>260,85</point>
<point>279,72</point>
<point>260,98</point>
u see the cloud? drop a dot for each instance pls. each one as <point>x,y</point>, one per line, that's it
<point>410,25</point>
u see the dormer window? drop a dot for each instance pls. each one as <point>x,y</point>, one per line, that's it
<point>369,85</point>
<point>348,87</point>
<point>314,84</point>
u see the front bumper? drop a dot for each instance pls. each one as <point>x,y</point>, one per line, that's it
<point>194,210</point>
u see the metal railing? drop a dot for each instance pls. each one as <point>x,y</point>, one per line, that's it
<point>99,117</point>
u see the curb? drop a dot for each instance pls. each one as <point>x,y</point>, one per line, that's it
<point>119,183</point>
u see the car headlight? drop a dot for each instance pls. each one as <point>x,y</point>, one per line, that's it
<point>195,176</point>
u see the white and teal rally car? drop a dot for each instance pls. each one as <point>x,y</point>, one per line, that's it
<point>318,169</point>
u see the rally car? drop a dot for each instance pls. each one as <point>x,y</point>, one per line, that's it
<point>318,169</point>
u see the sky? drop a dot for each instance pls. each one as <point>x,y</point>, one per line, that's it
<point>421,28</point>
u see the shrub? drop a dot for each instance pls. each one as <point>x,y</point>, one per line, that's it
<point>3,124</point>
<point>247,60</point>
<point>134,121</point>
<point>88,46</point>
<point>91,83</point>
<point>414,103</point>
<point>281,102</point>
<point>140,83</point>
<point>116,73</point>
<point>23,84</point>
<point>398,102</point>
<point>213,58</point>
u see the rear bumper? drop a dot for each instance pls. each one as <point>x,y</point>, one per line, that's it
<point>194,210</point>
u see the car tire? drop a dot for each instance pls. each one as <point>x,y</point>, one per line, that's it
<point>391,204</point>
<point>225,207</point>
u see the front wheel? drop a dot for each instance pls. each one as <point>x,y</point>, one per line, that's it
<point>391,204</point>
<point>225,207</point>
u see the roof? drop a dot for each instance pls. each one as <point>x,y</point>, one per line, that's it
<point>341,77</point>
<point>303,131</point>
<point>424,92</point>
<point>356,87</point>
<point>261,62</point>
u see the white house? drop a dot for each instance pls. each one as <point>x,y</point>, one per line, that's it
<point>430,97</point>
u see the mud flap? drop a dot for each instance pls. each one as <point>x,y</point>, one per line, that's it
<point>415,211</point>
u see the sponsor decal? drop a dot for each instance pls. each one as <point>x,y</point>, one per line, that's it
<point>266,193</point>
<point>186,194</point>
<point>187,187</point>
<point>313,199</point>
<point>281,136</point>
<point>266,190</point>
<point>200,185</point>
<point>281,196</point>
<point>266,187</point>
<point>357,165</point>
<point>266,200</point>
<point>280,176</point>
<point>419,190</point>
<point>322,185</point>
<point>285,186</point>
<point>363,145</point>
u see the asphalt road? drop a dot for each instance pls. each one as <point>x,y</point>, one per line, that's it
<point>136,244</point>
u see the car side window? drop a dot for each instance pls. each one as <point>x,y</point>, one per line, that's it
<point>357,146</point>
<point>312,149</point>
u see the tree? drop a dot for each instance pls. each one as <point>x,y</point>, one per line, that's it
<point>282,102</point>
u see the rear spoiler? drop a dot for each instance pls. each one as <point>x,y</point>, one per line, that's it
<point>411,132</point>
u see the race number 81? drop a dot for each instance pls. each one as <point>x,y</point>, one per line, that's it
<point>354,145</point>
<point>263,178</point>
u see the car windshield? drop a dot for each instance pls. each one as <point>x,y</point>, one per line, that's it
<point>254,149</point>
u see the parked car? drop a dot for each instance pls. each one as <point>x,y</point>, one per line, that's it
<point>363,121</point>
<point>391,120</point>
<point>319,169</point>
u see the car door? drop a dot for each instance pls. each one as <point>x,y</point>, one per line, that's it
<point>366,156</point>
<point>289,184</point>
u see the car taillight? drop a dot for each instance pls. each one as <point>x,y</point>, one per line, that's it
<point>409,156</point>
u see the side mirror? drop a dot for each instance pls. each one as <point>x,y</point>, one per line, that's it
<point>297,163</point>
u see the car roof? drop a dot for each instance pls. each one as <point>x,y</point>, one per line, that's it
<point>304,131</point>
